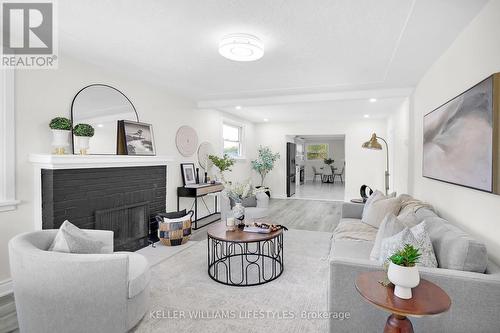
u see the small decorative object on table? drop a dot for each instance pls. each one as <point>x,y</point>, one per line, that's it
<point>61,128</point>
<point>402,271</point>
<point>173,232</point>
<point>264,228</point>
<point>231,224</point>
<point>328,161</point>
<point>83,133</point>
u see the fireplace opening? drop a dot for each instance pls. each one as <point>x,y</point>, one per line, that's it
<point>129,223</point>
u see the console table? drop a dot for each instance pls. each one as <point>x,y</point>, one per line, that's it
<point>200,192</point>
<point>428,299</point>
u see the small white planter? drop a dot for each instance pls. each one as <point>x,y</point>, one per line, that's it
<point>403,278</point>
<point>82,142</point>
<point>60,140</point>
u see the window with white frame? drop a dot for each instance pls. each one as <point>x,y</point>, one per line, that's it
<point>7,141</point>
<point>232,136</point>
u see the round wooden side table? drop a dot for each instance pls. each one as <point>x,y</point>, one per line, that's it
<point>428,299</point>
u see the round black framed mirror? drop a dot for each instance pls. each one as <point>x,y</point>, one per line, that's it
<point>101,106</point>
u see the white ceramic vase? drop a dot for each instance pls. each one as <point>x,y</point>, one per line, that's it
<point>239,211</point>
<point>403,278</point>
<point>60,140</point>
<point>82,142</point>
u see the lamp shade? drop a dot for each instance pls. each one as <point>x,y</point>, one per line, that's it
<point>372,143</point>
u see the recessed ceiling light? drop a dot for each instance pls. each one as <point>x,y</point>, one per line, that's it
<point>266,120</point>
<point>366,116</point>
<point>373,100</point>
<point>241,47</point>
<point>238,107</point>
<point>100,125</point>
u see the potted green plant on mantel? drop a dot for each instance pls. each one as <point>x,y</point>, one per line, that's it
<point>264,164</point>
<point>223,164</point>
<point>61,128</point>
<point>83,133</point>
<point>402,271</point>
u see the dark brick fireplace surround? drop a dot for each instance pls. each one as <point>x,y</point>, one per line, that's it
<point>121,199</point>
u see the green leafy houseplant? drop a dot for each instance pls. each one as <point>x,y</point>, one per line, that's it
<point>83,130</point>
<point>264,162</point>
<point>223,164</point>
<point>328,161</point>
<point>408,256</point>
<point>60,123</point>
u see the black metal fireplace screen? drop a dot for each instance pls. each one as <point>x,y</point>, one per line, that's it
<point>129,223</point>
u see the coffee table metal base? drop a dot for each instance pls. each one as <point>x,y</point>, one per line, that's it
<point>245,264</point>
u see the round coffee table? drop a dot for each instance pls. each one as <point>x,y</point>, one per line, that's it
<point>428,299</point>
<point>240,258</point>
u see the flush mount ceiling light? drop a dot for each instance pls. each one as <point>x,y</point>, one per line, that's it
<point>373,100</point>
<point>241,47</point>
<point>238,107</point>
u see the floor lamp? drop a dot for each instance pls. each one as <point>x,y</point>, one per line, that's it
<point>374,144</point>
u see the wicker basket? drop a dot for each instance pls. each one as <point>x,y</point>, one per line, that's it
<point>173,232</point>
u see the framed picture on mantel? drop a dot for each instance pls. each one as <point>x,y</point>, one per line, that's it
<point>135,138</point>
<point>461,138</point>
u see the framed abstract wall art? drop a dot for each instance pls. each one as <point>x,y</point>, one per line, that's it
<point>461,138</point>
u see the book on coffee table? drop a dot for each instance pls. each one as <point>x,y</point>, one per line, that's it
<point>257,230</point>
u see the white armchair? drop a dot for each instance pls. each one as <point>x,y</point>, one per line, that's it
<point>65,292</point>
<point>262,209</point>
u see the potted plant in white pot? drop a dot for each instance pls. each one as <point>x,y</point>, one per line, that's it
<point>223,164</point>
<point>83,133</point>
<point>61,128</point>
<point>264,164</point>
<point>402,271</point>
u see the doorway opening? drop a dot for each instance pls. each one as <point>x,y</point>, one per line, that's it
<point>319,162</point>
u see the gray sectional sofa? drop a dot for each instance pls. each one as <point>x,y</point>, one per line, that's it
<point>475,295</point>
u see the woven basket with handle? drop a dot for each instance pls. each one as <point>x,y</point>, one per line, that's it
<point>173,232</point>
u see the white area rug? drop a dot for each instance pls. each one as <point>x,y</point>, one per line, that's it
<point>185,299</point>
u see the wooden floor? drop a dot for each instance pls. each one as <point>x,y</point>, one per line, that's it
<point>311,215</point>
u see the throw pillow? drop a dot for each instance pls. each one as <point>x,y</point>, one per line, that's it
<point>71,239</point>
<point>378,210</point>
<point>395,243</point>
<point>389,227</point>
<point>418,237</point>
<point>424,243</point>
<point>247,202</point>
<point>377,195</point>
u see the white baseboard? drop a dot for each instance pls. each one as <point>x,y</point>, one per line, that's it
<point>6,287</point>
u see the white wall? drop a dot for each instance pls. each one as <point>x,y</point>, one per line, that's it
<point>335,150</point>
<point>473,56</point>
<point>398,135</point>
<point>44,94</point>
<point>362,166</point>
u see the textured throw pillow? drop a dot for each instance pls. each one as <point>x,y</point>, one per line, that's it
<point>378,210</point>
<point>377,195</point>
<point>417,236</point>
<point>71,239</point>
<point>389,227</point>
<point>247,202</point>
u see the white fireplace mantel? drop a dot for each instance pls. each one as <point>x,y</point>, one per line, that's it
<point>47,161</point>
<point>55,162</point>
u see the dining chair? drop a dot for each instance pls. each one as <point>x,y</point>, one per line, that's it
<point>327,175</point>
<point>340,174</point>
<point>316,173</point>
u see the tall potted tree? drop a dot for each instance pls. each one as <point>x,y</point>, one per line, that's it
<point>264,162</point>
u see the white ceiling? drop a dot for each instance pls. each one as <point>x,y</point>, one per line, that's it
<point>318,111</point>
<point>311,47</point>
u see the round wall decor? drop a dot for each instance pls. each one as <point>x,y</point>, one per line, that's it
<point>186,140</point>
<point>204,150</point>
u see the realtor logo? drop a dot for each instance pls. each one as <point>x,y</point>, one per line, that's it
<point>28,37</point>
